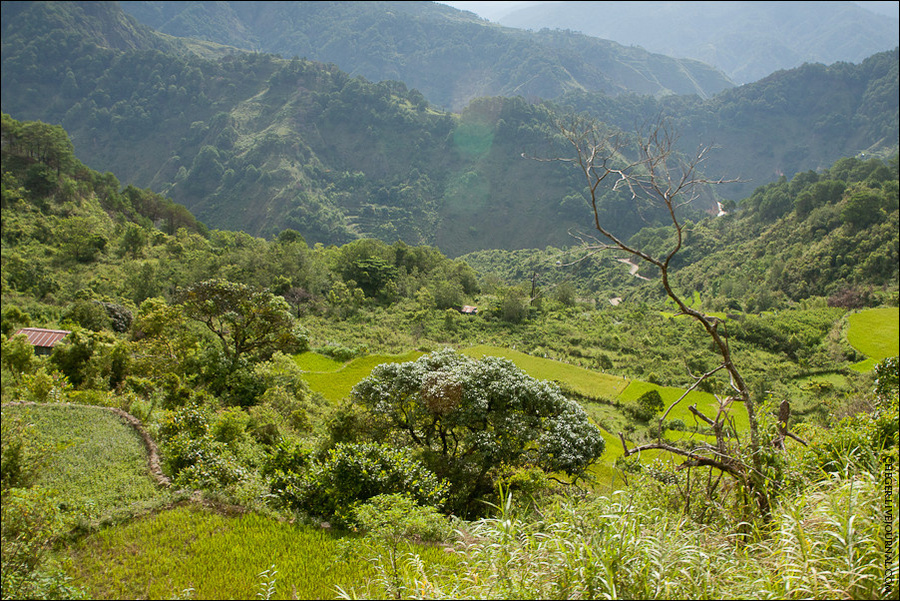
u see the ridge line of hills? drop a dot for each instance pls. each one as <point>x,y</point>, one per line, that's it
<point>746,40</point>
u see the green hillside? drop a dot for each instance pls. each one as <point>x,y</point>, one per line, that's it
<point>450,56</point>
<point>790,122</point>
<point>203,335</point>
<point>746,41</point>
<point>830,234</point>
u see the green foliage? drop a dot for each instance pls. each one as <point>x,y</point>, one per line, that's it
<point>481,422</point>
<point>370,38</point>
<point>90,315</point>
<point>13,318</point>
<point>249,322</point>
<point>348,475</point>
<point>24,453</point>
<point>395,517</point>
<point>389,521</point>
<point>31,522</point>
<point>92,359</point>
<point>467,417</point>
<point>230,426</point>
<point>18,355</point>
<point>648,405</point>
<point>192,453</point>
<point>818,249</point>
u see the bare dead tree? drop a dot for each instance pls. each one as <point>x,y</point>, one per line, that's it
<point>650,170</point>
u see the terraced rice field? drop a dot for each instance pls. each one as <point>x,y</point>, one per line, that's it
<point>875,333</point>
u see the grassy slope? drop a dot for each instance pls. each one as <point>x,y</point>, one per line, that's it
<point>592,384</point>
<point>335,384</point>
<point>98,463</point>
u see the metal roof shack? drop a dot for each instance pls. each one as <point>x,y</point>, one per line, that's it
<point>42,340</point>
<point>469,310</point>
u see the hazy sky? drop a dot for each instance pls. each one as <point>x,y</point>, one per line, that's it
<point>492,10</point>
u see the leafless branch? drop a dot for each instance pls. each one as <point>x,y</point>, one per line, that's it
<point>694,459</point>
<point>651,171</point>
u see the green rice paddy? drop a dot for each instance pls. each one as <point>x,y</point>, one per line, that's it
<point>875,333</point>
<point>335,384</point>
<point>194,551</point>
<point>585,382</point>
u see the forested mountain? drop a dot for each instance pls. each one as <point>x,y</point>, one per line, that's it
<point>252,142</point>
<point>450,56</point>
<point>746,40</point>
<point>788,122</point>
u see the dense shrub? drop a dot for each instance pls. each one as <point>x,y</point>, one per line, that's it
<point>191,454</point>
<point>647,405</point>
<point>348,475</point>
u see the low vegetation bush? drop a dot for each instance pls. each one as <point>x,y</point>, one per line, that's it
<point>348,475</point>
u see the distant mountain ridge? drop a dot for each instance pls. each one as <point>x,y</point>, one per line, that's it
<point>450,56</point>
<point>249,141</point>
<point>746,40</point>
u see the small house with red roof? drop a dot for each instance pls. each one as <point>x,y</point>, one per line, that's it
<point>43,340</point>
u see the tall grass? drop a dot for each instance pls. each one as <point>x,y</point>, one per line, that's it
<point>826,543</point>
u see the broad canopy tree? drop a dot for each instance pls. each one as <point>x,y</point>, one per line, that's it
<point>469,419</point>
<point>251,323</point>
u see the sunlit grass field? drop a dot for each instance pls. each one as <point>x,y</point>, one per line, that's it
<point>311,361</point>
<point>592,384</point>
<point>192,550</point>
<point>335,384</point>
<point>706,402</point>
<point>875,333</point>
